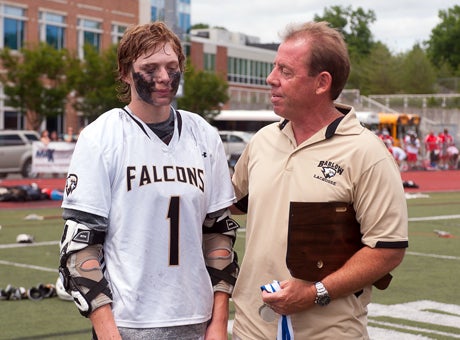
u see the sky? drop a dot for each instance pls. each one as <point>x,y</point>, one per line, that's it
<point>399,23</point>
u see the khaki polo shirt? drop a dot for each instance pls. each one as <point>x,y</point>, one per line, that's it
<point>348,164</point>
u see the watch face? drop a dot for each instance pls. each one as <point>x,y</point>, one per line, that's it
<point>323,300</point>
<point>322,296</point>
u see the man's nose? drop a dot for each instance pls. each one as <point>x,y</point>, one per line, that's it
<point>271,78</point>
<point>162,75</point>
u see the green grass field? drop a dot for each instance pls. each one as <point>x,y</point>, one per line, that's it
<point>430,272</point>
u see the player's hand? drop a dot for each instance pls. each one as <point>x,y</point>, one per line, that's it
<point>295,296</point>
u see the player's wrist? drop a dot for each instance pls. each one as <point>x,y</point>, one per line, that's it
<point>104,323</point>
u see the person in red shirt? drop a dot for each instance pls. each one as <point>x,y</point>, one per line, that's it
<point>445,140</point>
<point>432,148</point>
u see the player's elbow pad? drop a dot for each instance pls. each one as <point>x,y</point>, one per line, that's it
<point>219,235</point>
<point>221,222</point>
<point>87,285</point>
<point>221,262</point>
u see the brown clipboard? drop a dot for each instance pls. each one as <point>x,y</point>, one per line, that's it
<point>322,236</point>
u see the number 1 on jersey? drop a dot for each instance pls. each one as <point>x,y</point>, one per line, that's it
<point>173,215</point>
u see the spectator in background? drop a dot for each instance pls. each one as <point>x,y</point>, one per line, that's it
<point>432,149</point>
<point>398,153</point>
<point>44,137</point>
<point>69,136</point>
<point>452,156</point>
<point>385,136</point>
<point>445,140</point>
<point>412,148</point>
<point>54,136</point>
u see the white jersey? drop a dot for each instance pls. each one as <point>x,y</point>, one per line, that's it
<point>398,153</point>
<point>156,197</point>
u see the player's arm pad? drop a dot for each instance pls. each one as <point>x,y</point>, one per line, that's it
<point>87,286</point>
<point>219,233</point>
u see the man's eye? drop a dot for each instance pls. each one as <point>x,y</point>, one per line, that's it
<point>150,70</point>
<point>285,71</point>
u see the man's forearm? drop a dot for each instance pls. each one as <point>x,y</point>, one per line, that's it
<point>363,269</point>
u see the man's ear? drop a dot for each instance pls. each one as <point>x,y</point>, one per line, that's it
<point>323,82</point>
<point>126,79</point>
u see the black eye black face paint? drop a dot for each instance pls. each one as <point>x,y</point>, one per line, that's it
<point>144,87</point>
<point>174,77</point>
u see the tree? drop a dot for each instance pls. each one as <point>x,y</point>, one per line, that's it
<point>93,82</point>
<point>204,92</point>
<point>444,42</point>
<point>353,24</point>
<point>379,72</point>
<point>35,82</point>
<point>199,26</point>
<point>417,73</point>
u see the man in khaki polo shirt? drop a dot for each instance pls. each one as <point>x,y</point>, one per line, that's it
<point>318,152</point>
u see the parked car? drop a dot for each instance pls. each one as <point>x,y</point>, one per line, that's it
<point>234,141</point>
<point>16,152</point>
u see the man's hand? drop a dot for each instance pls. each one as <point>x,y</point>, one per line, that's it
<point>295,296</point>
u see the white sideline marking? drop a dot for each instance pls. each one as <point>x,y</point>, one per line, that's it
<point>376,333</point>
<point>21,245</point>
<point>445,257</point>
<point>434,218</point>
<point>29,266</point>
<point>418,311</point>
<point>416,195</point>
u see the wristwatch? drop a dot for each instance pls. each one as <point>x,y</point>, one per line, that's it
<point>322,296</point>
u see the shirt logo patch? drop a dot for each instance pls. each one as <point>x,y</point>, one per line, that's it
<point>71,183</point>
<point>329,170</point>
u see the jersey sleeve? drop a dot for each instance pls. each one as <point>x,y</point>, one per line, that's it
<point>88,181</point>
<point>222,195</point>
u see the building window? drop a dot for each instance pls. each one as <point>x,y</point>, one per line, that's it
<point>157,10</point>
<point>184,21</point>
<point>184,18</point>
<point>184,15</point>
<point>52,29</point>
<point>12,120</point>
<point>209,62</point>
<point>160,10</point>
<point>231,61</point>
<point>245,71</point>
<point>13,25</point>
<point>89,32</point>
<point>117,32</point>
